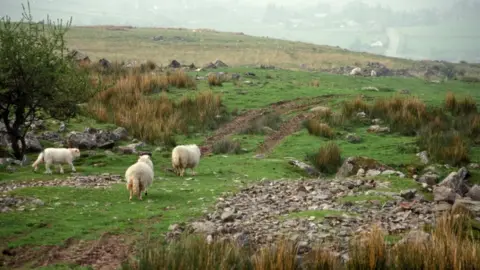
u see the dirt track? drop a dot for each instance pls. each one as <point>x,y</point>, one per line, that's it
<point>281,107</point>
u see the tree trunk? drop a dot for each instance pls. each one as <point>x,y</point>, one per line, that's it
<point>18,151</point>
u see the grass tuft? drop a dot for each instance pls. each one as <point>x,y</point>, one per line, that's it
<point>328,158</point>
<point>319,129</point>
<point>227,146</point>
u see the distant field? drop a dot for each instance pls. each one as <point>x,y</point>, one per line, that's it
<point>200,48</point>
<point>451,41</point>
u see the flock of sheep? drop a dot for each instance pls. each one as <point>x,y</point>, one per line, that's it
<point>139,176</point>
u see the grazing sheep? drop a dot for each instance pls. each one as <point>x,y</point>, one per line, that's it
<point>373,73</point>
<point>184,157</point>
<point>139,176</point>
<point>57,156</point>
<point>356,71</point>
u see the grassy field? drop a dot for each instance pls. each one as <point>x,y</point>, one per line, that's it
<point>87,213</point>
<point>200,48</point>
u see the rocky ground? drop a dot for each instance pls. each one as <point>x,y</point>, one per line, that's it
<point>331,212</point>
<point>9,203</point>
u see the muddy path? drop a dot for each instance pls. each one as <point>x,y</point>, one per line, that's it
<point>282,107</point>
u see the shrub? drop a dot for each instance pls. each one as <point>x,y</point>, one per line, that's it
<point>319,129</point>
<point>328,158</point>
<point>226,146</point>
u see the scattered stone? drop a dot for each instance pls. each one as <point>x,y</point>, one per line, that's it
<point>310,170</point>
<point>457,181</point>
<point>429,179</point>
<point>322,109</point>
<point>423,157</point>
<point>408,194</point>
<point>472,206</point>
<point>251,216</point>
<point>372,173</point>
<point>121,133</point>
<point>474,193</point>
<point>95,181</point>
<point>445,194</point>
<point>351,165</point>
<point>378,129</point>
<point>415,237</point>
<point>353,138</point>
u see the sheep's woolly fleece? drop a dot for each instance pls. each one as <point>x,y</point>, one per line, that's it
<point>184,157</point>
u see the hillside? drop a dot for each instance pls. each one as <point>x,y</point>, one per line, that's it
<point>315,157</point>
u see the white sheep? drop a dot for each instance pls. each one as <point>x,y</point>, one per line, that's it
<point>57,156</point>
<point>373,73</point>
<point>139,176</point>
<point>184,157</point>
<point>356,71</point>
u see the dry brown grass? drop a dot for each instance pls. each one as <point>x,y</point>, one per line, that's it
<point>457,107</point>
<point>449,246</point>
<point>214,80</point>
<point>319,129</point>
<point>369,251</point>
<point>154,118</point>
<point>403,114</point>
<point>328,158</point>
<point>352,107</point>
<point>315,83</point>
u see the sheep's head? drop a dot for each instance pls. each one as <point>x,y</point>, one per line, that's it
<point>75,152</point>
<point>144,158</point>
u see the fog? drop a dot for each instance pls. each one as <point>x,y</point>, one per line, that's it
<point>417,29</point>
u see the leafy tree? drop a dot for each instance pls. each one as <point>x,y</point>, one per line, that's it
<point>38,77</point>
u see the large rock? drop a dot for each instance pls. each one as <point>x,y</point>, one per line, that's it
<point>423,157</point>
<point>415,237</point>
<point>472,206</point>
<point>351,166</point>
<point>92,138</point>
<point>474,193</point>
<point>429,178</point>
<point>456,181</point>
<point>444,194</point>
<point>121,133</point>
<point>32,142</point>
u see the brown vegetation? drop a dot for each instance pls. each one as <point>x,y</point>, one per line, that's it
<point>328,158</point>
<point>448,245</point>
<point>154,118</point>
<point>319,129</point>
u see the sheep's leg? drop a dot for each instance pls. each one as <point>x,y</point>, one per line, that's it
<point>61,168</point>
<point>47,168</point>
<point>131,193</point>
<point>71,165</point>
<point>193,171</point>
<point>182,172</point>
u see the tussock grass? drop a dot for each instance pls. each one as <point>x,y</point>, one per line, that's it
<point>214,80</point>
<point>446,137</point>
<point>352,107</point>
<point>464,106</point>
<point>154,119</point>
<point>319,129</point>
<point>327,159</point>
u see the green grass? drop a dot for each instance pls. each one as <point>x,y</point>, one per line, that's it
<point>86,213</point>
